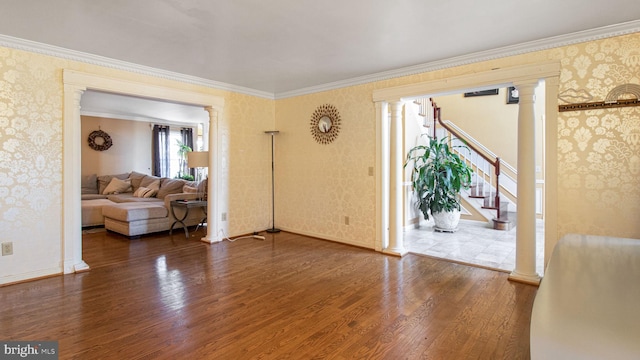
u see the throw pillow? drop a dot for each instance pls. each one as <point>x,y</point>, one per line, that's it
<point>148,180</point>
<point>104,180</point>
<point>144,192</point>
<point>154,185</point>
<point>117,186</point>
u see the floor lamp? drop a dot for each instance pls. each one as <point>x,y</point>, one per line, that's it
<point>273,202</point>
<point>198,160</point>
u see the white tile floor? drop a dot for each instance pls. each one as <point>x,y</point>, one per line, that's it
<point>474,243</point>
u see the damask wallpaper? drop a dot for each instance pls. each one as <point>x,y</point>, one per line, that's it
<point>317,186</point>
<point>599,150</point>
<point>30,163</point>
<point>31,155</point>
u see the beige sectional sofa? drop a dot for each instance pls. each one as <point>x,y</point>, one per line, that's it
<point>135,204</point>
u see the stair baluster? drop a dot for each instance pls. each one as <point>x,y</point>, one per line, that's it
<point>482,163</point>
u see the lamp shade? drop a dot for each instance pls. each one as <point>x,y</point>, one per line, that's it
<point>196,159</point>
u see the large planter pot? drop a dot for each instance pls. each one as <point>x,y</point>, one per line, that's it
<point>446,221</point>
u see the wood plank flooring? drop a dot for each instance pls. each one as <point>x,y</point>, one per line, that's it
<point>285,297</point>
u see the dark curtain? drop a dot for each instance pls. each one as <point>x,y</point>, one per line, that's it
<point>160,151</point>
<point>187,139</point>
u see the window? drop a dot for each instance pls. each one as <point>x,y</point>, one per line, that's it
<point>168,153</point>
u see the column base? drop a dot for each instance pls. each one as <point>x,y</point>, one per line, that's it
<point>81,267</point>
<point>526,279</point>
<point>209,240</point>
<point>395,252</point>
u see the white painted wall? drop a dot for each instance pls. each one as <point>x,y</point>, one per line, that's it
<point>131,150</point>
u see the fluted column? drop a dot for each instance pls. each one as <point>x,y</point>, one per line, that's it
<point>213,180</point>
<point>396,244</point>
<point>525,270</point>
<point>382,176</point>
<point>72,224</point>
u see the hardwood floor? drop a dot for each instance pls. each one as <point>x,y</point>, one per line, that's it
<point>286,297</point>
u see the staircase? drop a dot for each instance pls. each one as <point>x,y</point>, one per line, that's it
<point>485,190</point>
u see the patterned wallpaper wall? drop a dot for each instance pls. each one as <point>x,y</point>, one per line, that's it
<point>31,199</point>
<point>316,185</point>
<point>598,182</point>
<point>30,162</point>
<point>599,150</point>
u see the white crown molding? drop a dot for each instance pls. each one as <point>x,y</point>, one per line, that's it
<point>56,51</point>
<point>531,46</point>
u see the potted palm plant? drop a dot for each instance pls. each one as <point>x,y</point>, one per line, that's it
<point>183,172</point>
<point>437,177</point>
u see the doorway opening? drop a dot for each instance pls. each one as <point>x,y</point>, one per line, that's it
<point>388,152</point>
<point>75,84</point>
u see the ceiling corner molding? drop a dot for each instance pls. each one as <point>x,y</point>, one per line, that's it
<point>55,51</point>
<point>531,46</point>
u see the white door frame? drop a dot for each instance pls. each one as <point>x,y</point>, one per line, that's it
<point>75,84</point>
<point>501,77</point>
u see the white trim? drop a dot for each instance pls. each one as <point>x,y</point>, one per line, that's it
<point>527,47</point>
<point>549,71</point>
<point>60,52</point>
<point>30,276</point>
<point>75,84</point>
<point>518,49</point>
<point>500,77</point>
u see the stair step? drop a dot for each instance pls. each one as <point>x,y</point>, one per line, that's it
<point>476,191</point>
<point>489,203</point>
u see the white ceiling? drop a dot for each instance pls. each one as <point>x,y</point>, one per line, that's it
<point>100,104</point>
<point>282,46</point>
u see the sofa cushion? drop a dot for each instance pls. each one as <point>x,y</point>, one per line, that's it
<point>89,184</point>
<point>189,189</point>
<point>117,186</point>
<point>136,179</point>
<point>92,212</point>
<point>128,197</point>
<point>93,196</point>
<point>132,211</point>
<point>170,186</point>
<point>104,180</point>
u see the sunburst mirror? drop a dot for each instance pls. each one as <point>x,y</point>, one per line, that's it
<point>325,124</point>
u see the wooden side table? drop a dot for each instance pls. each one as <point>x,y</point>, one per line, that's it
<point>186,205</point>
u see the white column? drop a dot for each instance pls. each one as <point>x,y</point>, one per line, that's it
<point>213,181</point>
<point>396,246</point>
<point>525,270</point>
<point>72,224</point>
<point>382,176</point>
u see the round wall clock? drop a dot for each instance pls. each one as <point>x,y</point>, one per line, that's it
<point>325,124</point>
<point>100,140</point>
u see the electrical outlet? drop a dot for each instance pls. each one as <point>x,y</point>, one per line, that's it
<point>224,216</point>
<point>7,248</point>
<point>346,220</point>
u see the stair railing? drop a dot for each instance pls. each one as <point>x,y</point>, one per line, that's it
<point>481,162</point>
